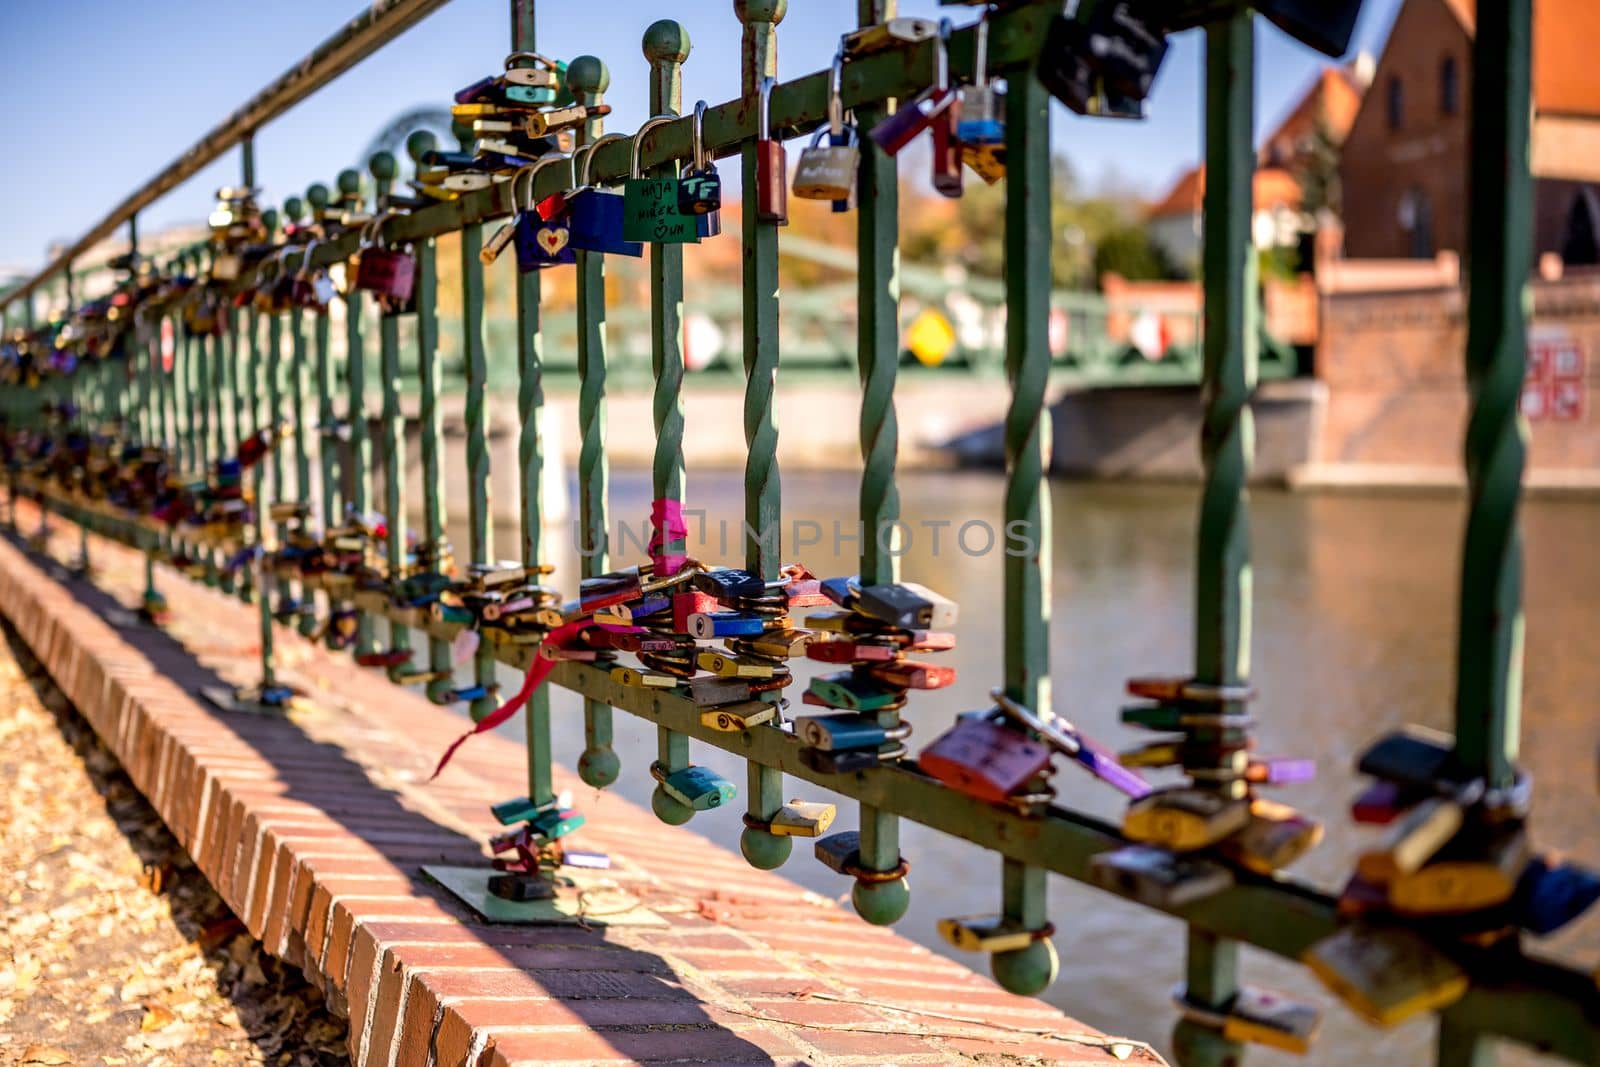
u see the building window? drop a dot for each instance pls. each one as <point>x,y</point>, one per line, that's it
<point>1415,217</point>
<point>1449,87</point>
<point>1397,102</point>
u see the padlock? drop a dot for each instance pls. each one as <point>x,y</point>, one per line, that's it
<point>1275,836</point>
<point>987,933</point>
<point>736,718</point>
<point>1264,1017</point>
<point>1415,757</point>
<point>907,605</point>
<point>1412,841</point>
<point>1127,44</point>
<point>893,33</point>
<point>981,131</point>
<point>387,272</point>
<point>1154,754</point>
<point>839,852</point>
<point>731,666</point>
<point>1385,974</point>
<point>846,761</point>
<point>555,822</point>
<point>700,190</point>
<point>853,692</point>
<point>547,74</point>
<point>911,674</point>
<point>650,205</point>
<point>898,130</point>
<point>1325,25</point>
<point>847,651</point>
<point>984,759</point>
<point>1474,872</point>
<point>772,163</point>
<point>1065,738</point>
<point>801,818</point>
<point>947,171</point>
<point>827,172</point>
<point>728,583</point>
<point>595,218</point>
<point>639,679</point>
<point>1279,770</point>
<point>839,732</point>
<point>781,644</point>
<point>523,809</point>
<point>1158,877</point>
<point>1551,894</point>
<point>1184,819</point>
<point>709,691</point>
<point>696,787</point>
<point>713,624</point>
<point>1381,803</point>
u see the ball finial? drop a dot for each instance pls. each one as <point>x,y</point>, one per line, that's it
<point>587,76</point>
<point>294,208</point>
<point>462,131</point>
<point>761,10</point>
<point>317,196</point>
<point>269,219</point>
<point>666,41</point>
<point>420,143</point>
<point>349,181</point>
<point>383,167</point>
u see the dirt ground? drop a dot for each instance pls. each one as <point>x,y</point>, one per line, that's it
<point>113,948</point>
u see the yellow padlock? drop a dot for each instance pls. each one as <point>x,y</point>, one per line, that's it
<point>1386,975</point>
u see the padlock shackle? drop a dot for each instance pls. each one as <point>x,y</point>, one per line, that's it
<point>697,136</point>
<point>533,57</point>
<point>532,172</point>
<point>941,62</point>
<point>764,108</point>
<point>980,51</point>
<point>588,154</point>
<point>835,98</point>
<point>638,141</point>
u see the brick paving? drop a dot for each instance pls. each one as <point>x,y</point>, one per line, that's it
<point>312,828</point>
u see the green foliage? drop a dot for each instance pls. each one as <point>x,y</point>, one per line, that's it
<point>1127,250</point>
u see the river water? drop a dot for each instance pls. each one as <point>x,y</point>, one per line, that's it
<point>1354,635</point>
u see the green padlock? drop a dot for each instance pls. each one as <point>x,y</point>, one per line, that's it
<point>650,210</point>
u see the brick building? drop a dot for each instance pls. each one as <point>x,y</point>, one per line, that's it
<point>1404,164</point>
<point>1326,110</point>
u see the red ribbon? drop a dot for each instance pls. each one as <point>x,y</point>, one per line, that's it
<point>537,673</point>
<point>666,517</point>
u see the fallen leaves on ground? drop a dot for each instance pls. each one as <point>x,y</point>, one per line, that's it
<point>114,949</point>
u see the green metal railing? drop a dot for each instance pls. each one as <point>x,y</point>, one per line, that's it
<point>202,411</point>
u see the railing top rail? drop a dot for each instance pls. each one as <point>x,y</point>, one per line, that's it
<point>358,38</point>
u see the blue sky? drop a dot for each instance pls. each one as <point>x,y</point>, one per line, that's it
<point>101,96</point>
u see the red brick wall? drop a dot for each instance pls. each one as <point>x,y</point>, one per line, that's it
<point>1393,364</point>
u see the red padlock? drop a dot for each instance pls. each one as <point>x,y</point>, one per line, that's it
<point>984,759</point>
<point>386,272</point>
<point>772,164</point>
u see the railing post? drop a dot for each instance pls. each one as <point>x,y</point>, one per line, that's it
<point>666,45</point>
<point>327,417</point>
<point>762,490</point>
<point>1230,347</point>
<point>1488,705</point>
<point>530,452</point>
<point>1027,497</point>
<point>293,211</point>
<point>258,479</point>
<point>383,168</point>
<point>878,347</point>
<point>588,79</point>
<point>480,508</point>
<point>359,479</point>
<point>431,444</point>
<point>90,412</point>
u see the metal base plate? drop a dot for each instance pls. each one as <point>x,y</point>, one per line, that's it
<point>590,898</point>
<point>245,701</point>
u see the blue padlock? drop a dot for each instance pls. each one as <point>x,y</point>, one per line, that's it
<point>1549,897</point>
<point>707,625</point>
<point>542,243</point>
<point>698,788</point>
<point>595,219</point>
<point>839,732</point>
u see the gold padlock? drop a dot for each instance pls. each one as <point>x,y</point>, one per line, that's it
<point>728,667</point>
<point>1468,876</point>
<point>1386,975</point>
<point>735,718</point>
<point>1412,840</point>
<point>1184,819</point>
<point>1275,836</point>
<point>802,818</point>
<point>986,933</point>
